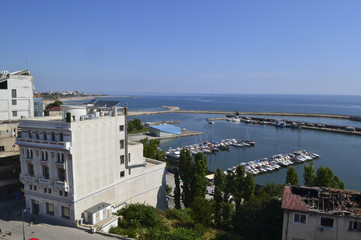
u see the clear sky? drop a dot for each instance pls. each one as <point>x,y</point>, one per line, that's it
<point>185,46</point>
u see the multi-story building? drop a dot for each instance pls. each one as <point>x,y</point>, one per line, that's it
<point>321,213</point>
<point>83,161</point>
<point>16,95</point>
<point>9,161</point>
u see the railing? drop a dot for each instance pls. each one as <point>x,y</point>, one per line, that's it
<point>62,184</point>
<point>60,164</point>
<point>36,142</point>
<point>29,178</point>
<point>44,181</point>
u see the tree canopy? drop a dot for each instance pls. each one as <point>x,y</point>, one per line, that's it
<point>292,177</point>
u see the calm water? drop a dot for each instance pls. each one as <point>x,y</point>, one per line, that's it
<point>338,151</point>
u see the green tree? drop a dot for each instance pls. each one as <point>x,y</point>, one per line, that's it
<point>239,183</point>
<point>326,178</point>
<point>199,183</point>
<point>309,175</point>
<point>186,167</point>
<point>219,180</point>
<point>248,187</point>
<point>151,150</point>
<point>177,191</point>
<point>229,187</point>
<point>292,177</point>
<point>202,210</point>
<point>56,103</point>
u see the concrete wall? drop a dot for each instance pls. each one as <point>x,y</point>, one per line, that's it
<point>24,99</point>
<point>312,230</point>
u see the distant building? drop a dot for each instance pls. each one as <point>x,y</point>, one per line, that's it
<point>164,130</point>
<point>81,166</point>
<point>16,95</point>
<point>321,213</point>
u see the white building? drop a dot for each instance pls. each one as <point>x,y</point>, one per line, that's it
<point>16,95</point>
<point>312,213</point>
<point>84,160</point>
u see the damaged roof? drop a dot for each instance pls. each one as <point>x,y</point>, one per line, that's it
<point>323,200</point>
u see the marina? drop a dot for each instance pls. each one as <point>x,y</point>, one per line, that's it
<point>275,162</point>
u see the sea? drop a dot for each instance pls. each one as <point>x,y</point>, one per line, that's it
<point>340,152</point>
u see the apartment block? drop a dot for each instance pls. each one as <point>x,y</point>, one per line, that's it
<point>81,160</point>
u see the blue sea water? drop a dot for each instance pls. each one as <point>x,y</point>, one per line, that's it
<point>341,152</point>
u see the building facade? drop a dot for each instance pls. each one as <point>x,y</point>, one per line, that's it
<point>16,95</point>
<point>312,213</point>
<point>83,159</point>
<point>9,161</point>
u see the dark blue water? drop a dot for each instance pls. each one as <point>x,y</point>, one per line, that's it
<point>339,151</point>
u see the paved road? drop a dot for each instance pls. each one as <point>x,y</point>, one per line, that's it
<point>10,221</point>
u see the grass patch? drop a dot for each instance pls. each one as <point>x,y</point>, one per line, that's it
<point>144,130</point>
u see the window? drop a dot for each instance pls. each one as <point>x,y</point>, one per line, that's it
<point>122,174</point>
<point>327,222</point>
<point>60,193</point>
<point>121,144</point>
<point>2,148</point>
<point>30,187</point>
<point>45,136</point>
<point>300,218</point>
<point>31,170</point>
<point>49,190</point>
<point>121,128</point>
<point>61,174</point>
<point>30,134</point>
<point>65,194</point>
<point>354,226</point>
<point>31,153</point>
<point>45,172</point>
<point>65,212</point>
<point>13,93</point>
<point>61,137</point>
<point>121,159</point>
<point>15,113</point>
<point>37,135</point>
<point>49,208</point>
<point>27,153</point>
<point>14,102</point>
<point>45,190</point>
<point>53,136</point>
<point>34,188</point>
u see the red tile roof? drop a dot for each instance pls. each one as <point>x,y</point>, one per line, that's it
<point>292,202</point>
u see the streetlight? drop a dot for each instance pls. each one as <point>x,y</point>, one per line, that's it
<point>22,218</point>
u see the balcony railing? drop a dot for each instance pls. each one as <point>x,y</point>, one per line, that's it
<point>62,184</point>
<point>29,178</point>
<point>60,165</point>
<point>42,143</point>
<point>44,181</point>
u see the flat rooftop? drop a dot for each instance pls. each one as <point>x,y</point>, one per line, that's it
<point>322,200</point>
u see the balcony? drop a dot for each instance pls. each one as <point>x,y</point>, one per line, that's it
<point>44,181</point>
<point>62,184</point>
<point>28,178</point>
<point>28,142</point>
<point>60,165</point>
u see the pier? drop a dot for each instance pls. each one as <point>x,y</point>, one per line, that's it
<point>269,121</point>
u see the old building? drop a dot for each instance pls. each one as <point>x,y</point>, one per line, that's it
<point>321,213</point>
<point>83,159</point>
<point>16,95</point>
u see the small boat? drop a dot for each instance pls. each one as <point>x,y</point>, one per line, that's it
<point>210,122</point>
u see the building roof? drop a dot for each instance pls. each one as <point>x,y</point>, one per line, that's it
<point>322,200</point>
<point>167,128</point>
<point>97,207</point>
<point>103,103</point>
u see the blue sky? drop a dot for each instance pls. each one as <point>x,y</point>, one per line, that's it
<point>174,46</point>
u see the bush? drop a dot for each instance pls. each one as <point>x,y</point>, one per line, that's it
<point>139,215</point>
<point>184,234</point>
<point>184,216</point>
